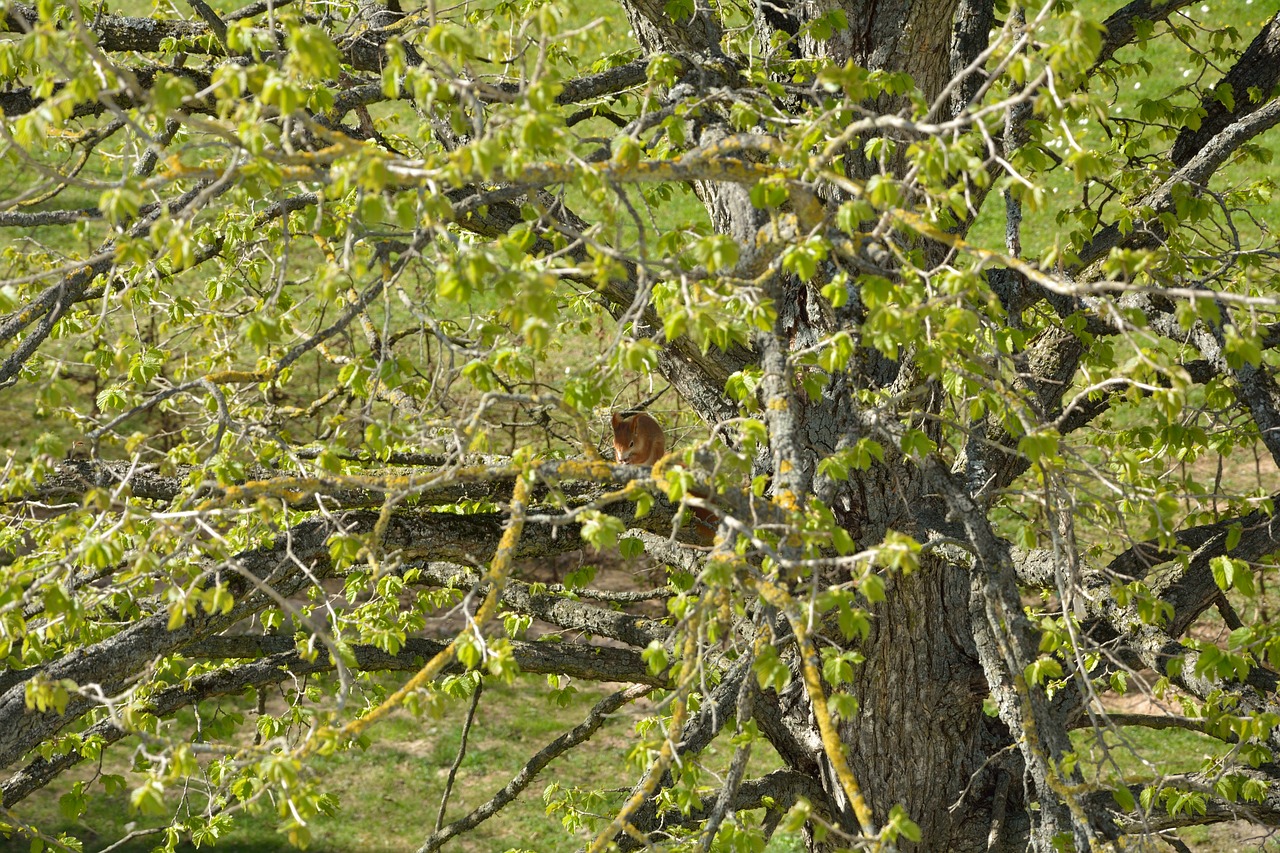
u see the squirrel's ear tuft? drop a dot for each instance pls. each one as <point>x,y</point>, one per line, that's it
<point>617,421</point>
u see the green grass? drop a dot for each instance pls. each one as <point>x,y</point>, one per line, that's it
<point>389,794</point>
<point>1171,68</point>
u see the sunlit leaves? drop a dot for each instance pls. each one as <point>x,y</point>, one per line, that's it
<point>858,457</point>
<point>717,252</point>
<point>1230,573</point>
<point>771,672</point>
<point>803,259</point>
<point>655,658</point>
<point>169,90</point>
<point>915,442</point>
<point>148,799</point>
<point>769,194</point>
<point>489,333</point>
<point>45,695</point>
<point>900,825</point>
<point>1042,670</point>
<point>601,530</point>
<point>1242,347</point>
<point>1151,609</point>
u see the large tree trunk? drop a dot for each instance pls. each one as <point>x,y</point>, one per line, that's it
<point>920,735</point>
<point>920,732</point>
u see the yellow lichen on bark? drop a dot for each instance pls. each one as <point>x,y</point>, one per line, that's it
<point>499,569</point>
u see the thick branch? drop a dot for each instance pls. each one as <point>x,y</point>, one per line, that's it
<point>558,610</point>
<point>20,101</point>
<point>434,486</point>
<point>1216,808</point>
<point>111,663</point>
<point>1148,232</point>
<point>576,660</point>
<point>1006,647</point>
<point>1258,68</point>
<point>1121,29</point>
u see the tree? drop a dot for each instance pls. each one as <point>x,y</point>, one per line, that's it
<point>335,300</point>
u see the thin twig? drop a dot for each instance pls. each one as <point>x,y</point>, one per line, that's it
<point>462,751</point>
<point>737,770</point>
<point>579,733</point>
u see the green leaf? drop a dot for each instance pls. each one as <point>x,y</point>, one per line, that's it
<point>631,547</point>
<point>1124,797</point>
<point>311,53</point>
<point>148,799</point>
<point>655,658</point>
<point>1230,573</point>
<point>916,443</point>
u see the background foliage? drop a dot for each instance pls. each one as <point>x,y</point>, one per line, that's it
<point>314,313</point>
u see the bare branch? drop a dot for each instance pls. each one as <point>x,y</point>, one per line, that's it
<point>597,717</point>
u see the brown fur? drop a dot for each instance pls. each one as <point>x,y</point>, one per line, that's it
<point>638,439</point>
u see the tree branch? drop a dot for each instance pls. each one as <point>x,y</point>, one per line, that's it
<point>597,717</point>
<point>280,661</point>
<point>1217,809</point>
<point>776,792</point>
<point>1147,231</point>
<point>1121,25</point>
<point>1258,68</point>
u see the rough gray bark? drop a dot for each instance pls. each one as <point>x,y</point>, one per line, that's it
<point>921,735</point>
<point>922,650</point>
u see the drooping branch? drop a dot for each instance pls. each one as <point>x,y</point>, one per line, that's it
<point>298,557</point>
<point>40,771</point>
<point>280,661</point>
<point>112,663</point>
<point>50,306</point>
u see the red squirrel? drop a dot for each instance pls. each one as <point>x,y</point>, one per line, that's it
<point>638,439</point>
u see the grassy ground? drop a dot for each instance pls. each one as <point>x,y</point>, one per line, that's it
<point>389,794</point>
